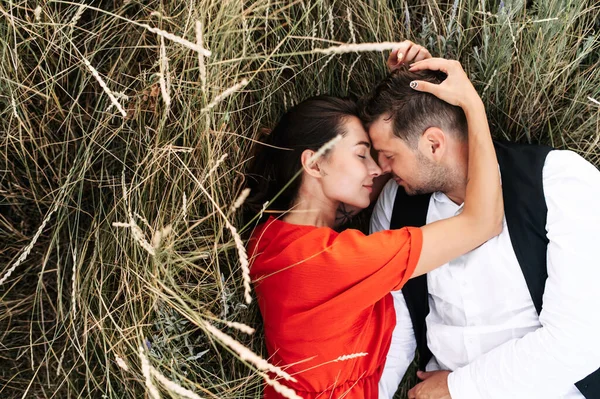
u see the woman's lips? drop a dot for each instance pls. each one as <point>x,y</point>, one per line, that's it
<point>370,188</point>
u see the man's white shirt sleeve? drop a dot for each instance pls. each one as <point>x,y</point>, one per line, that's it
<point>403,345</point>
<point>382,212</point>
<point>548,361</point>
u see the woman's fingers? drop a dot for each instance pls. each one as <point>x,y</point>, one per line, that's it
<point>422,54</point>
<point>393,55</point>
<point>456,89</point>
<point>435,64</point>
<point>403,49</point>
<point>420,85</point>
<point>405,53</point>
<point>412,52</point>
<point>396,57</point>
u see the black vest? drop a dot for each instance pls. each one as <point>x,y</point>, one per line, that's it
<point>525,211</point>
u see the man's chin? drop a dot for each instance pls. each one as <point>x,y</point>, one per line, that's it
<point>406,188</point>
<point>412,192</point>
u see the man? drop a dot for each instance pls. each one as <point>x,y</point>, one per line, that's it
<point>517,317</point>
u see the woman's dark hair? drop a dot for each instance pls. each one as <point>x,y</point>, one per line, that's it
<point>306,126</point>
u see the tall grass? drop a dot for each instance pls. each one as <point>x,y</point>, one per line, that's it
<point>124,146</point>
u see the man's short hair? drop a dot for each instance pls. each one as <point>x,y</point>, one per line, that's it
<point>411,111</point>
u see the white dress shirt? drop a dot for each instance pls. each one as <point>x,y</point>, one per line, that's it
<point>482,323</point>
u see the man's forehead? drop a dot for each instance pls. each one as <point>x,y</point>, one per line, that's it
<point>381,126</point>
<point>380,133</point>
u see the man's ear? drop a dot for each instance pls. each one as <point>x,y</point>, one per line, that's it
<point>433,143</point>
<point>312,169</point>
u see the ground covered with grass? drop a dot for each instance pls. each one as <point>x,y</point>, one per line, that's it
<point>125,130</point>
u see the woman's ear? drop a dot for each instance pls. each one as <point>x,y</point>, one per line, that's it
<point>313,169</point>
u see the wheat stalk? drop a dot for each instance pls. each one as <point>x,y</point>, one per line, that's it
<point>29,246</point>
<point>350,24</point>
<point>177,39</point>
<point>37,13</point>
<point>224,95</point>
<point>200,42</point>
<point>121,363</point>
<point>172,386</point>
<point>240,326</point>
<point>164,75</point>
<point>356,48</point>
<point>246,354</point>
<point>286,392</point>
<point>324,148</point>
<point>108,92</point>
<point>241,199</point>
<point>146,373</point>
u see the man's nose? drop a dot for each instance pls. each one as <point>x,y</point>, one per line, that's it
<point>384,164</point>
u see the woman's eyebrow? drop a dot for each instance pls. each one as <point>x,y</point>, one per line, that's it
<point>365,143</point>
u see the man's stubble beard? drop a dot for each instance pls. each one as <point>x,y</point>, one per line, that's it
<point>432,177</point>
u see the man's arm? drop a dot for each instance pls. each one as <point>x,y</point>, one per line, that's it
<point>547,362</point>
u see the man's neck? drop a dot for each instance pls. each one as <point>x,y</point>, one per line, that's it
<point>457,195</point>
<point>457,186</point>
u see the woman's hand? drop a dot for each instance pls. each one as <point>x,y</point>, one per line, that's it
<point>456,89</point>
<point>405,53</point>
<point>483,211</point>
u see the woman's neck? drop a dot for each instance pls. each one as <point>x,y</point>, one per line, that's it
<point>312,211</point>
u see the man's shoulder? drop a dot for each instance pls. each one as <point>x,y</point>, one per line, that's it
<point>557,162</point>
<point>389,190</point>
<point>387,197</point>
<point>568,164</point>
<point>382,212</point>
<point>567,157</point>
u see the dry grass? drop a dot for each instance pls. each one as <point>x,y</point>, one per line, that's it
<point>144,114</point>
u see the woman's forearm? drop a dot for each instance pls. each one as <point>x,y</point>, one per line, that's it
<point>483,198</point>
<point>483,211</point>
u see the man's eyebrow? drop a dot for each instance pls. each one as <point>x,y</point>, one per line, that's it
<point>365,143</point>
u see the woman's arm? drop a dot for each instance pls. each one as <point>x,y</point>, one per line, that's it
<point>483,210</point>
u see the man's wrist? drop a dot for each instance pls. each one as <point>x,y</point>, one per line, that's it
<point>461,384</point>
<point>451,384</point>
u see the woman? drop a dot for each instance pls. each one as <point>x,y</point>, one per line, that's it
<point>323,294</point>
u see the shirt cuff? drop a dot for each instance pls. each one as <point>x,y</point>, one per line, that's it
<point>461,385</point>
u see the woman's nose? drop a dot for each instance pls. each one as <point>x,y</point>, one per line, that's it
<point>375,169</point>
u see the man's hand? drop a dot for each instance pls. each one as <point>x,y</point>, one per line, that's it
<point>434,386</point>
<point>406,53</point>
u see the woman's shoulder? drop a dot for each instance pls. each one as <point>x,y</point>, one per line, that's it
<point>274,227</point>
<point>275,236</point>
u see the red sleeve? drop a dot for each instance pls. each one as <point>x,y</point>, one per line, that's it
<point>334,271</point>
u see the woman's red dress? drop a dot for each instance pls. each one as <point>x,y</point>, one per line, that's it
<point>323,295</point>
